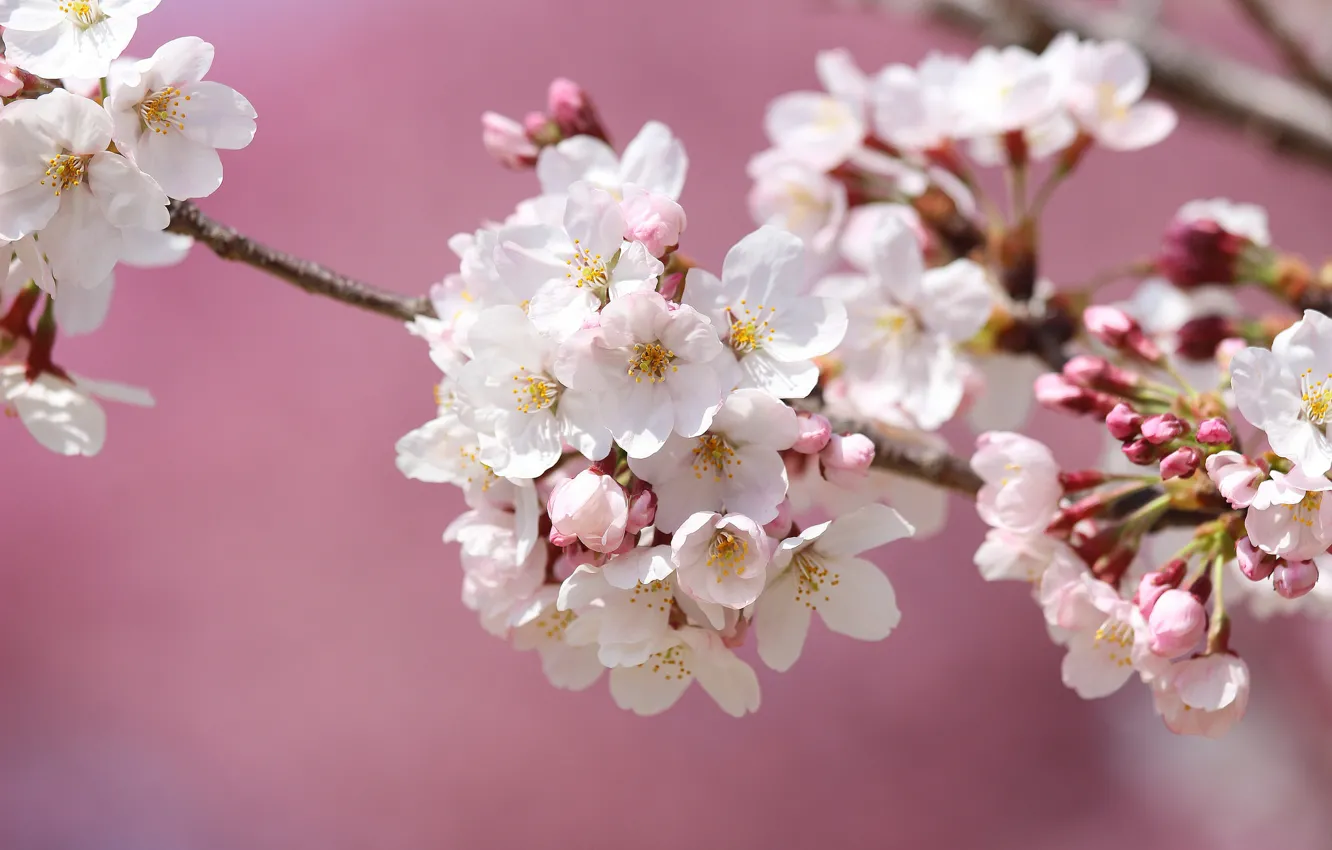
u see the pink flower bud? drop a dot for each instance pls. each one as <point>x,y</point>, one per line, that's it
<point>848,453</point>
<point>1140,452</point>
<point>1199,252</point>
<point>642,511</point>
<point>1293,579</point>
<point>780,527</point>
<point>1082,479</point>
<point>1253,562</point>
<point>1162,428</point>
<point>655,220</point>
<point>10,81</point>
<point>572,110</point>
<point>1181,463</point>
<point>560,539</point>
<point>1055,392</point>
<point>1198,338</point>
<point>1158,582</point>
<point>1235,476</point>
<point>1214,432</point>
<point>506,141</point>
<point>1120,331</point>
<point>1177,623</point>
<point>670,285</point>
<point>591,507</point>
<point>815,432</point>
<point>1123,422</point>
<point>1097,373</point>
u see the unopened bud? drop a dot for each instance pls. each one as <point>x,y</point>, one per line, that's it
<point>815,432</point>
<point>1256,564</point>
<point>1226,351</point>
<point>642,511</point>
<point>1055,392</point>
<point>1097,373</point>
<point>1198,338</point>
<point>1214,432</point>
<point>1123,422</point>
<point>1140,452</point>
<point>10,81</point>
<point>572,110</point>
<point>780,527</point>
<point>1181,463</point>
<point>848,453</point>
<point>506,141</point>
<point>1293,579</point>
<point>1177,622</point>
<point>1158,582</point>
<point>1120,331</point>
<point>1110,567</point>
<point>560,539</point>
<point>1084,479</point>
<point>1199,252</point>
<point>1163,427</point>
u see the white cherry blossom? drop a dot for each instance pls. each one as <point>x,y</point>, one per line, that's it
<point>69,38</point>
<point>651,366</point>
<point>1203,696</point>
<point>736,464</point>
<point>57,177</point>
<point>1001,90</point>
<point>917,108</point>
<point>1291,515</point>
<point>502,568</point>
<point>656,684</point>
<point>1022,489</point>
<point>1287,391</point>
<point>654,160</point>
<point>721,558</point>
<point>773,330</point>
<point>1102,85</point>
<point>815,128</point>
<point>171,122</point>
<point>540,625</point>
<point>523,415</point>
<point>818,570</point>
<point>63,414</point>
<point>627,625</point>
<point>789,194</point>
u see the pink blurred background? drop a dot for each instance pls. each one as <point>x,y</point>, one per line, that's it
<point>238,627</point>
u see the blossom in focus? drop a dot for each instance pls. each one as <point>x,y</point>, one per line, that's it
<point>736,464</point>
<point>590,507</point>
<point>69,38</point>
<point>772,330</point>
<point>61,181</point>
<point>171,122</point>
<point>696,654</point>
<point>721,558</point>
<point>654,160</point>
<point>1290,515</point>
<point>1235,476</point>
<point>541,626</point>
<point>1287,391</point>
<point>651,367</point>
<point>819,570</point>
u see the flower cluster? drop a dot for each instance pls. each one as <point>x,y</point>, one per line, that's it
<point>624,427</point>
<point>87,169</point>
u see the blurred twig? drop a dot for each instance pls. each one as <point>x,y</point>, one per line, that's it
<point>1293,51</point>
<point>1288,116</point>
<point>228,244</point>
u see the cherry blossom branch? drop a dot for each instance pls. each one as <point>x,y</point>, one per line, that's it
<point>229,244</point>
<point>1288,44</point>
<point>1288,116</point>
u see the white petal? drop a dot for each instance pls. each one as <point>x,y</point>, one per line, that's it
<point>593,220</point>
<point>795,379</point>
<point>655,160</point>
<point>217,116</point>
<point>650,688</point>
<point>127,196</point>
<point>573,668</point>
<point>781,623</point>
<point>862,530</point>
<point>579,158</point>
<point>183,60</point>
<point>81,245</point>
<point>81,310</point>
<point>182,168</point>
<point>82,125</point>
<point>639,566</point>
<point>729,681</point>
<point>61,418</point>
<point>862,605</point>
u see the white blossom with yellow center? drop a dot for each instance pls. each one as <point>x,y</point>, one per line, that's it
<point>69,38</point>
<point>721,558</point>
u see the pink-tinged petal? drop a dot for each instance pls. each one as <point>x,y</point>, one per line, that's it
<point>1146,124</point>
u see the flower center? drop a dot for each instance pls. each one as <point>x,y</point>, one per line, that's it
<point>66,172</point>
<point>895,323</point>
<point>534,392</point>
<point>712,453</point>
<point>727,553</point>
<point>587,269</point>
<point>1306,508</point>
<point>82,12</point>
<point>750,329</point>
<point>655,594</point>
<point>805,208</point>
<point>1108,106</point>
<point>813,580</point>
<point>1316,397</point>
<point>1117,632</point>
<point>651,359</point>
<point>669,663</point>
<point>554,622</point>
<point>160,112</point>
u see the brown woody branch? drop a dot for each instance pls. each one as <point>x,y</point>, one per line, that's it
<point>1288,116</point>
<point>1293,51</point>
<point>228,244</point>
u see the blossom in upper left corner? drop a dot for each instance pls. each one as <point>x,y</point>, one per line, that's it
<point>69,38</point>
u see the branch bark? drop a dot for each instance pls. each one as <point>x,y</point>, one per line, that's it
<point>1293,51</point>
<point>227,243</point>
<point>1290,117</point>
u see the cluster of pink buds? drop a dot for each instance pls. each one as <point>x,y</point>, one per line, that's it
<point>569,112</point>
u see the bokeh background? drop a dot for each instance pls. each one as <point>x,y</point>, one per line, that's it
<point>238,627</point>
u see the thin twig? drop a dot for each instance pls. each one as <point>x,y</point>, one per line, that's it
<point>1293,51</point>
<point>1289,116</point>
<point>228,244</point>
